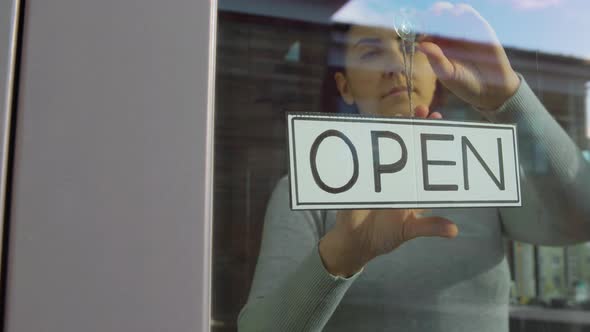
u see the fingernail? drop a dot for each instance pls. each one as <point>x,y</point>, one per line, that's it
<point>449,230</point>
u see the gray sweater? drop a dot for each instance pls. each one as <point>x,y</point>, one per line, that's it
<point>427,284</point>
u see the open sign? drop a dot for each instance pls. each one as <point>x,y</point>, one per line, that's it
<point>345,162</point>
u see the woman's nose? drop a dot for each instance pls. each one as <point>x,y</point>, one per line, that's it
<point>394,64</point>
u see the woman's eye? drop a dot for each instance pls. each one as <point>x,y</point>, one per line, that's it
<point>370,54</point>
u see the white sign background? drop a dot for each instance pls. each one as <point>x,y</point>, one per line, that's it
<point>404,188</point>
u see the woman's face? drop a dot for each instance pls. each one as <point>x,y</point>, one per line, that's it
<point>374,77</point>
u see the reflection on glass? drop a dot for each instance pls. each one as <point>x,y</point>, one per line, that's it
<point>552,279</point>
<point>269,63</point>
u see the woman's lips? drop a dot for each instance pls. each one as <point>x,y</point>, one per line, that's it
<point>396,92</point>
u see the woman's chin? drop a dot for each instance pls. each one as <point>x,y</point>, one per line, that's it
<point>396,112</point>
<point>388,111</point>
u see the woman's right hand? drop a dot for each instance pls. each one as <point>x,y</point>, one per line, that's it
<point>361,235</point>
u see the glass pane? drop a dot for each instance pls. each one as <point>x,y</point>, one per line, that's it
<point>450,268</point>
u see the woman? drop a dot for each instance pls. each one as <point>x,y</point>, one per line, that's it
<point>411,270</point>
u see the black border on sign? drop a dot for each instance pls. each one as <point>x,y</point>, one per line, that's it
<point>425,122</point>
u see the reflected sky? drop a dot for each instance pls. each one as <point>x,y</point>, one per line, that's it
<point>550,26</point>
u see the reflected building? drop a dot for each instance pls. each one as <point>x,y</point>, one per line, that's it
<point>584,262</point>
<point>578,263</point>
<point>552,273</point>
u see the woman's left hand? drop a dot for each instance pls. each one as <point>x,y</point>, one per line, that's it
<point>475,68</point>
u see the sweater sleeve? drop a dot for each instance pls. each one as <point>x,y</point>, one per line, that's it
<point>555,209</point>
<point>291,290</point>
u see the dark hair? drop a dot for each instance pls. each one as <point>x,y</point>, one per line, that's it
<point>331,101</point>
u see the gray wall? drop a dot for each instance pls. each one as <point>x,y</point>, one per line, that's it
<point>110,225</point>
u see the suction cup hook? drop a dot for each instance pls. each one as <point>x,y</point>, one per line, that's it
<point>406,24</point>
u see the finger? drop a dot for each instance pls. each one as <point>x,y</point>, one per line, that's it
<point>428,227</point>
<point>421,111</point>
<point>435,115</point>
<point>443,68</point>
<point>419,213</point>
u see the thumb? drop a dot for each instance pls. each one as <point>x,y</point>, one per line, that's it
<point>429,226</point>
<point>443,68</point>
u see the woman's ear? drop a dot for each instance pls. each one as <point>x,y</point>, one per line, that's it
<point>343,88</point>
